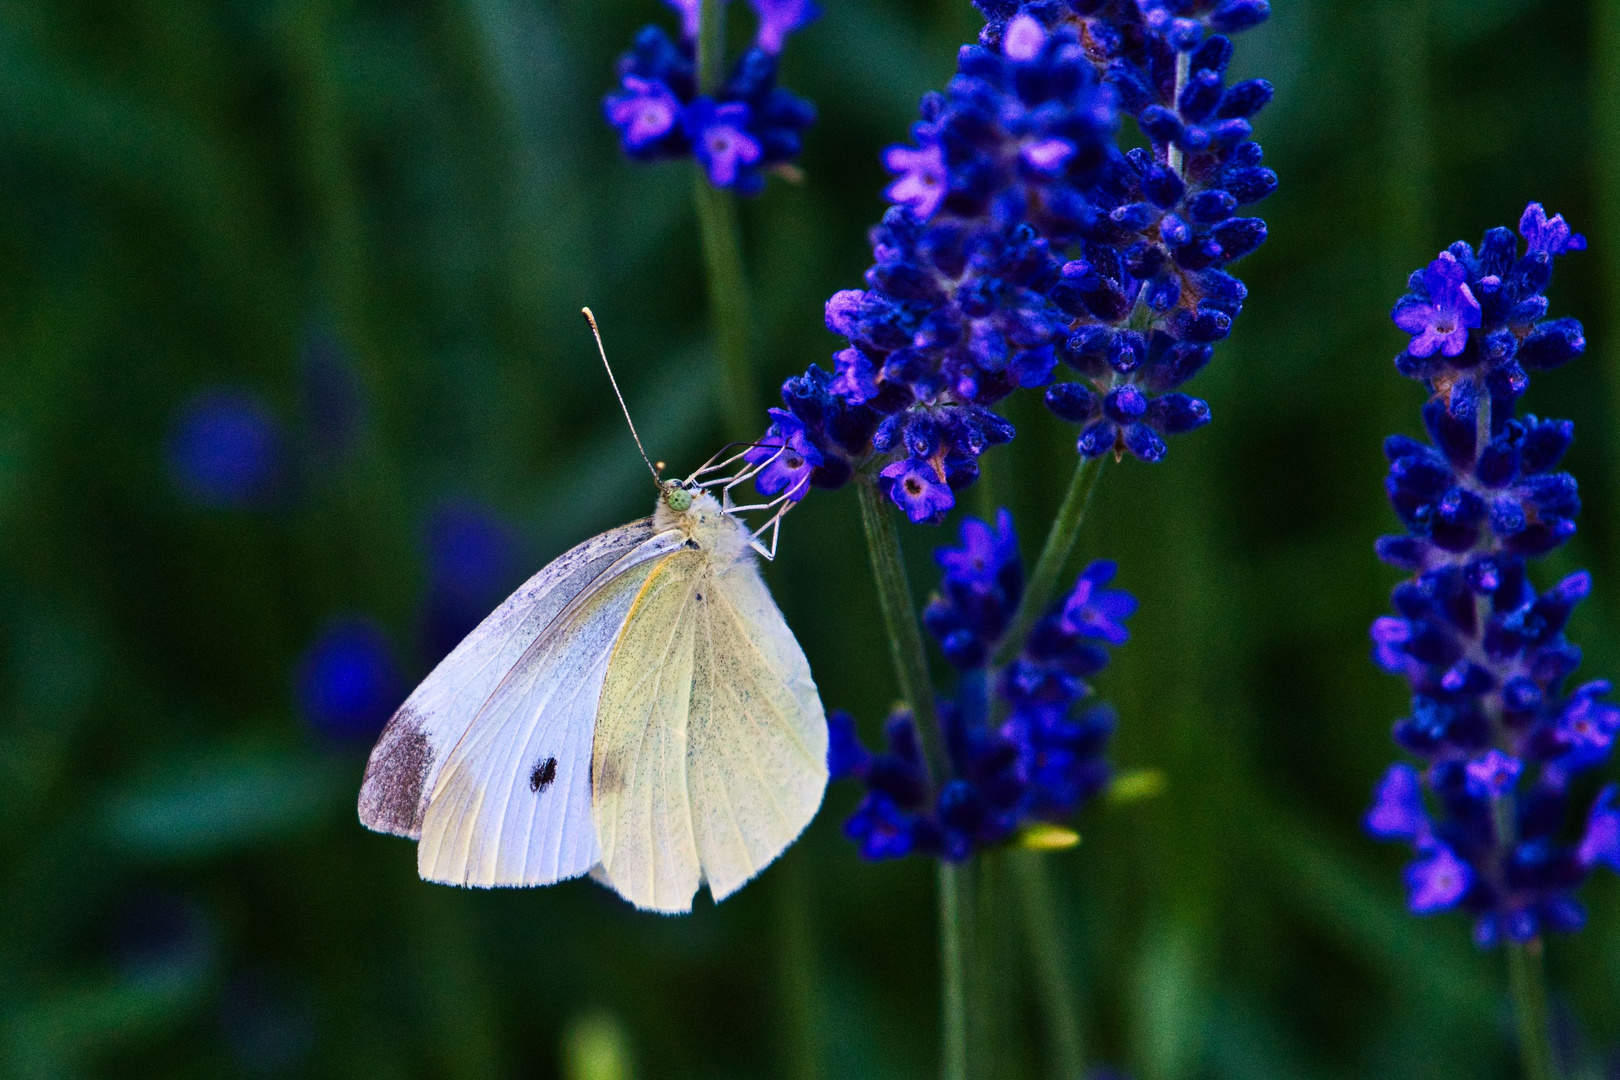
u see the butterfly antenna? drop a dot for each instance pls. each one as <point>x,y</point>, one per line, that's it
<point>591,319</point>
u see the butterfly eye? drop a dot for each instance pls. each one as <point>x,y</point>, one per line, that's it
<point>678,499</point>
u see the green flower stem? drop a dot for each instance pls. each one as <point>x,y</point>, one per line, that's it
<point>911,670</point>
<point>1528,980</point>
<point>1052,967</point>
<point>722,254</point>
<point>1055,552</point>
<point>955,913</point>
<point>728,305</point>
<point>796,970</point>
<point>990,981</point>
<point>900,620</point>
<point>1050,957</point>
<point>1053,984</point>
<point>711,57</point>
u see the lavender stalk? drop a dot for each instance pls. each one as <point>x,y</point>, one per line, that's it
<point>1500,739</point>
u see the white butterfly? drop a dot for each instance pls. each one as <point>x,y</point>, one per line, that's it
<point>638,710</point>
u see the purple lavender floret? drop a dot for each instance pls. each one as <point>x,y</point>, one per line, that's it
<point>1478,317</point>
<point>779,18</point>
<point>750,127</point>
<point>1440,323</point>
<point>1024,744</point>
<point>1022,242</point>
<point>1500,737</point>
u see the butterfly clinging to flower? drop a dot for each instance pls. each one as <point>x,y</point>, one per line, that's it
<point>638,710</point>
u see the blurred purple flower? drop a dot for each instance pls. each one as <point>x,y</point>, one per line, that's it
<point>348,682</point>
<point>779,18</point>
<point>226,449</point>
<point>644,112</point>
<point>720,139</point>
<point>471,558</point>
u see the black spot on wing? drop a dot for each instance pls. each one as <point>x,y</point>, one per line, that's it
<point>693,544</point>
<point>542,776</point>
<point>391,794</point>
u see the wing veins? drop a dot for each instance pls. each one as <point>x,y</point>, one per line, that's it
<point>731,804</point>
<point>561,619</point>
<point>646,725</point>
<point>765,663</point>
<point>514,787</point>
<point>754,762</point>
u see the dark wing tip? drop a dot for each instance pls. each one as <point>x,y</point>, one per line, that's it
<point>391,793</point>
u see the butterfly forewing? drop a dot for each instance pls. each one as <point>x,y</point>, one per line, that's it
<point>512,803</point>
<point>408,756</point>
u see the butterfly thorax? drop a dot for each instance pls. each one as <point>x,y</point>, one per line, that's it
<point>708,528</point>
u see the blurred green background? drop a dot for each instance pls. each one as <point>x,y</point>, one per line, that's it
<point>367,226</point>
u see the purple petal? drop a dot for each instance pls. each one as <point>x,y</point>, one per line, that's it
<point>846,756</point>
<point>1023,38</point>
<point>1601,842</point>
<point>1413,316</point>
<point>1437,881</point>
<point>720,139</point>
<point>1397,812</point>
<point>1048,156</point>
<point>1588,725</point>
<point>915,487</point>
<point>1493,774</point>
<point>691,16</point>
<point>645,112</point>
<point>854,381</point>
<point>921,186</point>
<point>779,18</point>
<point>1552,235</point>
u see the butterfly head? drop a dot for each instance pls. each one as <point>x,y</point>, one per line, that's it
<point>677,496</point>
<point>698,514</point>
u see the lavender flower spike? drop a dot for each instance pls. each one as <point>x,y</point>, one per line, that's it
<point>1024,745</point>
<point>737,134</point>
<point>691,12</point>
<point>1501,739</point>
<point>1025,250</point>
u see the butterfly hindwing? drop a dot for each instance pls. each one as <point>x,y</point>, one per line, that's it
<point>711,745</point>
<point>757,754</point>
<point>643,815</point>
